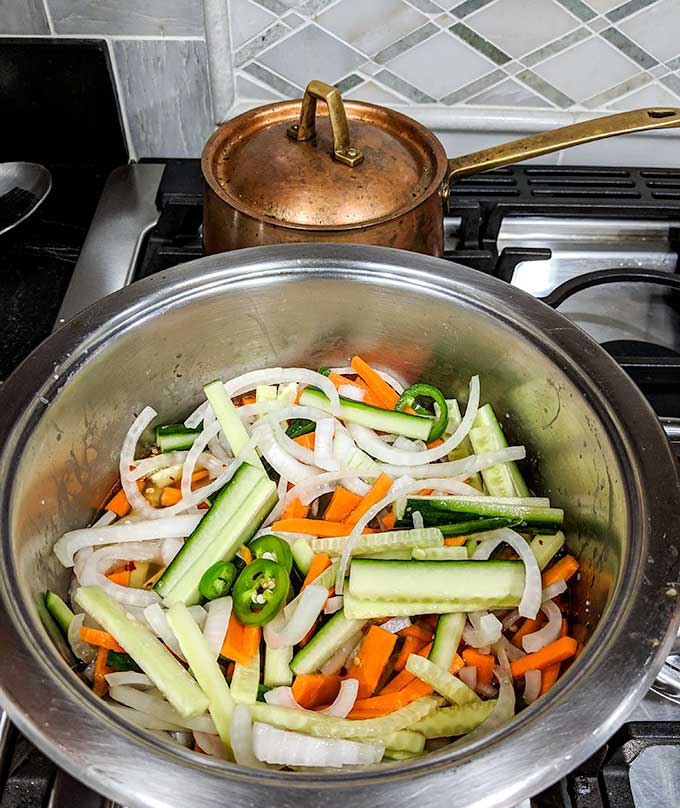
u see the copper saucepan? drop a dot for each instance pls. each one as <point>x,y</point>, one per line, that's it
<point>357,173</point>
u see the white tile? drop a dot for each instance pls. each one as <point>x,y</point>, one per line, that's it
<point>656,29</point>
<point>586,69</point>
<point>652,95</point>
<point>375,94</point>
<point>604,5</point>
<point>380,23</point>
<point>127,17</point>
<point>247,19</point>
<point>520,26</point>
<point>23,17</point>
<point>311,53</point>
<point>507,94</point>
<point>248,90</point>
<point>440,65</point>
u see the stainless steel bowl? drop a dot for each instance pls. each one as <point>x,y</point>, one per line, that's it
<point>594,445</point>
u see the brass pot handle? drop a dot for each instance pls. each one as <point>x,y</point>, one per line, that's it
<point>515,151</point>
<point>343,151</point>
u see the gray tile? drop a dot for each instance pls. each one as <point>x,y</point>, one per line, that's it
<point>579,9</point>
<point>349,83</point>
<point>294,20</point>
<point>599,24</point>
<point>375,93</point>
<point>272,80</point>
<point>127,17</point>
<point>672,81</point>
<point>601,100</point>
<point>473,88</point>
<point>542,87</point>
<point>628,8</point>
<point>674,64</point>
<point>468,7</point>
<point>602,6</point>
<point>509,93</point>
<point>260,43</point>
<point>426,6</point>
<point>656,29</point>
<point>165,93</point>
<point>403,87</point>
<point>23,17</point>
<point>480,44</point>
<point>275,6</point>
<point>406,43</point>
<point>558,45</point>
<point>312,7</point>
<point>627,46</point>
<point>659,70</point>
<point>246,20</point>
<point>245,88</point>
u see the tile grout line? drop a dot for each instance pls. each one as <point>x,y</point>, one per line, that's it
<point>121,99</point>
<point>48,15</point>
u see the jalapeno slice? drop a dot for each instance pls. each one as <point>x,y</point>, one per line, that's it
<point>217,580</point>
<point>408,399</point>
<point>260,592</point>
<point>273,548</point>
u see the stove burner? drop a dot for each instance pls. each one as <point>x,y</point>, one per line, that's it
<point>623,348</point>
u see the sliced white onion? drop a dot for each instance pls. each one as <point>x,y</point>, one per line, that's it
<point>323,444</point>
<point>127,463</point>
<point>461,469</point>
<point>123,531</point>
<point>241,736</point>
<point>169,549</point>
<point>408,445</point>
<point>335,663</point>
<point>183,738</point>
<point>468,675</point>
<point>279,746</point>
<point>194,453</point>
<point>140,719</point>
<point>282,696</point>
<point>418,521</point>
<point>511,651</point>
<point>371,443</point>
<point>344,371</point>
<point>93,572</point>
<point>216,446</point>
<point>158,622</point>
<point>132,678</point>
<point>486,629</point>
<point>215,629</point>
<point>396,624</point>
<point>488,691</point>
<point>83,650</point>
<point>352,392</point>
<point>532,595</point>
<point>199,615</point>
<point>211,744</point>
<point>532,686</point>
<point>278,635</point>
<point>277,510</point>
<point>105,519</point>
<point>292,448</point>
<point>554,590</point>
<point>312,488</point>
<point>159,708</point>
<point>277,457</point>
<point>149,465</point>
<point>549,633</point>
<point>344,701</point>
<point>333,605</point>
<point>510,619</point>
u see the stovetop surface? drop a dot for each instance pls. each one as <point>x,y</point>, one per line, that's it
<point>532,226</point>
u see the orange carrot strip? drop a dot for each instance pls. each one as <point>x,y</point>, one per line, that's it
<point>378,491</point>
<point>457,664</point>
<point>435,442</point>
<point>431,620</point>
<point>246,555</point>
<point>560,570</point>
<point>411,646</point>
<point>483,662</point>
<point>455,541</point>
<point>308,440</point>
<point>370,662</point>
<point>313,689</point>
<point>426,492</point>
<point>551,673</point>
<point>296,510</point>
<point>557,651</point>
<point>404,678</point>
<point>379,705</point>
<point>199,475</point>
<point>358,715</point>
<point>249,400</point>
<point>320,562</point>
<point>122,577</point>
<point>100,671</point>
<point>369,396</point>
<point>233,645</point>
<point>118,504</point>
<point>415,690</point>
<point>103,639</point>
<point>388,521</point>
<point>420,633</point>
<point>528,627</point>
<point>170,496</point>
<point>315,527</point>
<point>388,395</point>
<point>342,503</point>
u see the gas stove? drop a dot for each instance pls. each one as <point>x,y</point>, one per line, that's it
<point>535,227</point>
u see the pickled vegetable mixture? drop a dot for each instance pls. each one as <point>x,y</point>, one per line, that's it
<point>320,568</point>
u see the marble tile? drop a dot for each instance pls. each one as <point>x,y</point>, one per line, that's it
<point>164,86</point>
<point>602,99</point>
<point>598,24</point>
<point>474,88</point>
<point>349,83</point>
<point>564,42</point>
<point>481,45</point>
<point>127,17</point>
<point>375,93</point>
<point>247,19</point>
<point>23,17</point>
<point>247,90</point>
<point>428,7</point>
<point>260,43</point>
<point>278,83</point>
<point>656,29</point>
<point>468,7</point>
<point>603,6</point>
<point>544,89</point>
<point>651,95</point>
<point>579,9</point>
<point>403,87</point>
<point>406,43</point>
<point>508,93</point>
<point>627,46</point>
<point>628,8</point>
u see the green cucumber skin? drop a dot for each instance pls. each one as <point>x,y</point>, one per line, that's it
<point>398,423</point>
<point>277,666</point>
<point>175,437</point>
<point>334,634</point>
<point>487,435</point>
<point>447,638</point>
<point>59,610</point>
<point>465,528</point>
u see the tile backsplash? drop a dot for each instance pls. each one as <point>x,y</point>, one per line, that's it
<point>490,65</point>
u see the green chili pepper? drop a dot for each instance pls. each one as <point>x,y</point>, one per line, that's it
<point>260,592</point>
<point>408,398</point>
<point>121,662</point>
<point>273,548</point>
<point>300,426</point>
<point>217,580</point>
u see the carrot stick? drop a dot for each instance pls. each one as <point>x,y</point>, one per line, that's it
<point>376,384</point>
<point>197,476</point>
<point>557,651</point>
<point>320,562</point>
<point>455,541</point>
<point>313,689</point>
<point>122,577</point>
<point>378,491</point>
<point>296,510</point>
<point>483,662</point>
<point>103,639</point>
<point>170,496</point>
<point>388,521</point>
<point>527,627</point>
<point>308,440</point>
<point>370,662</point>
<point>415,690</point>
<point>380,705</point>
<point>342,503</point>
<point>551,673</point>
<point>418,632</point>
<point>404,678</point>
<point>241,642</point>
<point>411,646</point>
<point>430,620</point>
<point>435,442</point>
<point>100,671</point>
<point>315,527</point>
<point>249,400</point>
<point>560,570</point>
<point>118,504</point>
<point>368,396</point>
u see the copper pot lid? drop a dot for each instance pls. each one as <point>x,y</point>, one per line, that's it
<point>341,167</point>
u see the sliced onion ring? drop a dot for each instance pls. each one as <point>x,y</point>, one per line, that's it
<point>532,686</point>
